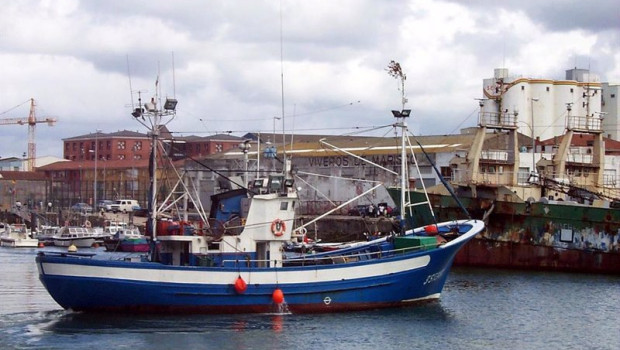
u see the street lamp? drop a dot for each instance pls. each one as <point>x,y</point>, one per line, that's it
<point>80,184</point>
<point>134,172</point>
<point>96,158</point>
<point>104,172</point>
<point>83,156</point>
<point>245,147</point>
<point>532,100</point>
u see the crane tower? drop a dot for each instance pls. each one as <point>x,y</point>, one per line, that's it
<point>32,122</point>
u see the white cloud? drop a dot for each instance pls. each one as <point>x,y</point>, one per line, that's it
<point>74,56</point>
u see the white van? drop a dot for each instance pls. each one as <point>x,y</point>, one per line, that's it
<point>125,205</point>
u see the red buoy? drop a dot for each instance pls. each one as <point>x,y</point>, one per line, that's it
<point>431,230</point>
<point>240,285</point>
<point>277,296</point>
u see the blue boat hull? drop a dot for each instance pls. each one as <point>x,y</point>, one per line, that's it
<point>147,287</point>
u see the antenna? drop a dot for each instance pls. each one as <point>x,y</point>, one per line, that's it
<point>293,127</point>
<point>282,93</point>
<point>157,87</point>
<point>130,88</point>
<point>174,80</point>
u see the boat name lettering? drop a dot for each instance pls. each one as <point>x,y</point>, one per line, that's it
<point>348,161</point>
<point>433,277</point>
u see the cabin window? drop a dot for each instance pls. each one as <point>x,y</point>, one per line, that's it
<point>613,95</point>
<point>547,88</point>
<point>283,205</point>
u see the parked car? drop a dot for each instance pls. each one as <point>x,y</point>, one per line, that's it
<point>82,208</point>
<point>105,205</point>
<point>142,212</point>
<point>125,205</point>
<point>359,210</point>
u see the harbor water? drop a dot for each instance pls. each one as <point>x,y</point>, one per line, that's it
<point>479,309</point>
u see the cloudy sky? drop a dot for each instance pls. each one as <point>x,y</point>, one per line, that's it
<point>235,65</point>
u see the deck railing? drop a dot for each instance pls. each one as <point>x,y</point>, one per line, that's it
<point>372,252</point>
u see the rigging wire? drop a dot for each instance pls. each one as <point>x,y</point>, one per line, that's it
<point>13,108</point>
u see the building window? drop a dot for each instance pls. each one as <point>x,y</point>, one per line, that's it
<point>121,156</point>
<point>138,145</point>
<point>121,145</point>
<point>219,148</point>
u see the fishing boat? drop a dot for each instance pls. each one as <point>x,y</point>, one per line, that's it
<point>16,236</point>
<point>234,262</point>
<point>127,239</point>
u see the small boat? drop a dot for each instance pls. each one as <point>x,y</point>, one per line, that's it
<point>45,234</point>
<point>111,227</point>
<point>108,231</point>
<point>128,239</point>
<point>236,263</point>
<point>16,236</point>
<point>79,236</point>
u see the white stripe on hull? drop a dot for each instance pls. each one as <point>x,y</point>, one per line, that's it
<point>259,276</point>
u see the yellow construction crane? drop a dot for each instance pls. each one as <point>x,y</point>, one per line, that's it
<point>32,122</point>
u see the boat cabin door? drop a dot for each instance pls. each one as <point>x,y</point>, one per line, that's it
<point>262,254</point>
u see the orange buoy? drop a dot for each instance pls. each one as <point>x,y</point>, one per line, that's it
<point>41,245</point>
<point>277,296</point>
<point>240,285</point>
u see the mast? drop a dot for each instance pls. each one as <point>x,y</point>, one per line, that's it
<point>152,118</point>
<point>395,71</point>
